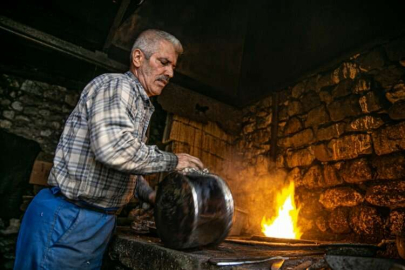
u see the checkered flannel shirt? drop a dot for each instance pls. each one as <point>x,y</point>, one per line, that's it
<point>102,145</point>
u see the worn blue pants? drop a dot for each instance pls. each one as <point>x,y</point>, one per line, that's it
<point>56,234</point>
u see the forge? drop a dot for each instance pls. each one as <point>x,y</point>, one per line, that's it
<point>299,107</point>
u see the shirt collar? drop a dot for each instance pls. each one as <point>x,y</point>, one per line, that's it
<point>142,91</point>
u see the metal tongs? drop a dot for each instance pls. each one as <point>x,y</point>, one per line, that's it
<point>231,262</point>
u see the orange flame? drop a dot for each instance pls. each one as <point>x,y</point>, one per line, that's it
<point>285,224</point>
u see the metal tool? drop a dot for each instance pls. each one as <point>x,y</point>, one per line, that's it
<point>231,262</point>
<point>277,265</point>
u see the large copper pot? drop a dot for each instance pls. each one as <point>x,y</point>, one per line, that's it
<point>193,209</point>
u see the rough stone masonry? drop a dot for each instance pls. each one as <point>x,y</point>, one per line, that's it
<point>341,138</point>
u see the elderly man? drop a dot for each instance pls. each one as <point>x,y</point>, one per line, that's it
<point>99,161</point>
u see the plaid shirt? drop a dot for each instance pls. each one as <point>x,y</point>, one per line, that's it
<point>102,143</point>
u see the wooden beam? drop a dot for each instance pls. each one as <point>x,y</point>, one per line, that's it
<point>117,22</point>
<point>274,127</point>
<point>97,58</point>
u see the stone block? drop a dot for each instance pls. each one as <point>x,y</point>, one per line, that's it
<point>298,89</point>
<point>5,124</point>
<point>310,101</point>
<point>280,129</point>
<point>293,126</point>
<point>390,166</point>
<point>397,111</point>
<point>342,108</point>
<point>356,171</point>
<point>5,102</point>
<point>397,93</point>
<point>317,117</point>
<point>294,108</point>
<point>313,83</point>
<point>294,176</point>
<point>249,128</point>
<point>31,87</point>
<point>265,121</point>
<point>330,132</point>
<point>321,223</point>
<point>266,103</point>
<point>303,157</point>
<point>347,70</point>
<point>361,86</point>
<point>326,97</point>
<point>344,88</point>
<point>389,77</point>
<point>372,60</point>
<point>313,178</point>
<point>283,114</point>
<point>389,194</point>
<point>340,196</point>
<point>9,115</point>
<point>389,139</point>
<point>347,147</point>
<point>371,102</point>
<point>22,118</point>
<point>365,123</point>
<point>397,222</point>
<point>302,138</point>
<point>261,136</point>
<point>262,113</point>
<point>308,202</point>
<point>326,80</point>
<point>71,99</point>
<point>338,220</point>
<point>17,105</point>
<point>331,176</point>
<point>365,220</point>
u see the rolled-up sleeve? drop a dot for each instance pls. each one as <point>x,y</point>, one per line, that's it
<point>114,138</point>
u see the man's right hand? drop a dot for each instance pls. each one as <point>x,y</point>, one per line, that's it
<point>188,161</point>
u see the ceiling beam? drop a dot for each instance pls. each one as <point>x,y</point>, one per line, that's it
<point>97,58</point>
<point>117,21</point>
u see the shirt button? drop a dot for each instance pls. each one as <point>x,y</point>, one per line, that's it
<point>42,214</point>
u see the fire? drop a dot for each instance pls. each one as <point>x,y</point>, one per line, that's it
<point>285,224</point>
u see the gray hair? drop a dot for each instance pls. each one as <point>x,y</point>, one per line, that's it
<point>148,42</point>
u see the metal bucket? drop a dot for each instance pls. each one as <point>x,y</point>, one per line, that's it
<point>193,209</point>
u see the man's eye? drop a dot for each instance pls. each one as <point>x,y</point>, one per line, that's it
<point>164,62</point>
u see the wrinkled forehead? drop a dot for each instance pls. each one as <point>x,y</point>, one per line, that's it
<point>167,50</point>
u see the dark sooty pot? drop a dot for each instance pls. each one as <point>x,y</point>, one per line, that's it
<point>193,209</point>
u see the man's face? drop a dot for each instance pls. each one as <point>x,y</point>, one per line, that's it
<point>155,73</point>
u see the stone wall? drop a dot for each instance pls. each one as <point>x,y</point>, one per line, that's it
<point>35,110</point>
<point>341,138</point>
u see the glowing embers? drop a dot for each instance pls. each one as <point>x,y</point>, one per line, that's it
<point>284,225</point>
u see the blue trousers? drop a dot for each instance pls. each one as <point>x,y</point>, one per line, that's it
<point>56,234</point>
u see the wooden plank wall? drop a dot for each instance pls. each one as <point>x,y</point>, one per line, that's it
<point>206,141</point>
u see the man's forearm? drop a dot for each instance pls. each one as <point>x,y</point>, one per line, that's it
<point>143,191</point>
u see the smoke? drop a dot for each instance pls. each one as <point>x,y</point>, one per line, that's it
<point>254,185</point>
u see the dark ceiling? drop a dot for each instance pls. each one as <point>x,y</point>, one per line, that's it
<point>236,52</point>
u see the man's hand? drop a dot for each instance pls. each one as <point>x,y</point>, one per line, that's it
<point>152,197</point>
<point>187,161</point>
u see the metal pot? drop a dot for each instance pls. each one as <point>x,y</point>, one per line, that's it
<point>193,209</point>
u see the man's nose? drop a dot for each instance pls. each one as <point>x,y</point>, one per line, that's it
<point>169,72</point>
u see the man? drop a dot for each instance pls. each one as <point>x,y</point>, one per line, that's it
<point>69,225</point>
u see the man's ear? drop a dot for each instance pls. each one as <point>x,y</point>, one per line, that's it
<point>137,58</point>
